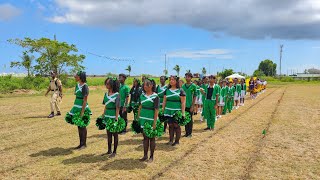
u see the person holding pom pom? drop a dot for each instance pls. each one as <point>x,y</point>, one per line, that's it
<point>148,118</point>
<point>174,100</point>
<point>161,88</point>
<point>111,101</point>
<point>80,112</point>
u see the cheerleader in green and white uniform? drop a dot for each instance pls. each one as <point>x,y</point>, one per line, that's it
<point>174,100</point>
<point>222,98</point>
<point>111,102</point>
<point>80,113</point>
<point>243,91</point>
<point>161,88</point>
<point>148,116</point>
<point>237,93</point>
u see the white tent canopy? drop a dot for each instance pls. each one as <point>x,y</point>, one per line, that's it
<point>235,76</point>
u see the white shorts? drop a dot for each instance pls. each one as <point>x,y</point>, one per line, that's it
<point>243,94</point>
<point>236,96</point>
<point>199,100</point>
<point>221,102</point>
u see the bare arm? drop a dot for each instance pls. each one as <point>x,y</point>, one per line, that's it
<point>84,104</point>
<point>117,113</point>
<point>164,102</point>
<point>183,104</point>
<point>156,111</point>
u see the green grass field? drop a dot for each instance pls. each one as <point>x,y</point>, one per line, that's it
<point>34,147</point>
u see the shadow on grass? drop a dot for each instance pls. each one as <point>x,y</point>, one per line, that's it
<point>159,147</point>
<point>124,164</point>
<point>36,117</point>
<point>57,151</point>
<point>102,136</point>
<point>86,158</point>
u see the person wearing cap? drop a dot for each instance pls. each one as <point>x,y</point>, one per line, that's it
<point>124,99</point>
<point>190,89</point>
<point>55,87</point>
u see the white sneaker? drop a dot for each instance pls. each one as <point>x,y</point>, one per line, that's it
<point>237,107</point>
<point>201,119</point>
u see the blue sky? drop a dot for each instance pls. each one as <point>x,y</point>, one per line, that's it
<point>192,35</point>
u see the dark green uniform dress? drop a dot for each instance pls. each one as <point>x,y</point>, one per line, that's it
<point>149,104</point>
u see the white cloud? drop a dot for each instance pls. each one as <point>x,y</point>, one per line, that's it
<point>8,11</point>
<point>199,54</point>
<point>252,19</point>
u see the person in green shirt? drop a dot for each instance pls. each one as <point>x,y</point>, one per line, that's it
<point>190,90</point>
<point>174,100</point>
<point>211,94</point>
<point>161,89</point>
<point>111,102</point>
<point>225,108</point>
<point>124,97</point>
<point>203,86</point>
<point>222,97</point>
<point>230,97</point>
<point>148,113</point>
<point>237,92</point>
<point>243,91</point>
<point>80,109</point>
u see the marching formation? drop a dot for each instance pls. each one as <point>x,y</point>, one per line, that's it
<point>156,108</point>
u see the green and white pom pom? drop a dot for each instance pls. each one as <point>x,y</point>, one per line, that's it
<point>182,121</point>
<point>75,119</point>
<point>68,118</point>
<point>114,126</point>
<point>150,132</point>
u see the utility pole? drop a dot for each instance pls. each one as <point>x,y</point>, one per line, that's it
<point>281,46</point>
<point>54,37</point>
<point>165,61</point>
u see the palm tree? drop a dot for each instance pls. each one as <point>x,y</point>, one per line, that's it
<point>177,69</point>
<point>128,69</point>
<point>188,71</point>
<point>25,63</point>
<point>204,71</point>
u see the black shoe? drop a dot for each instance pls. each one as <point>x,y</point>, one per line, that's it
<point>150,160</point>
<point>80,147</point>
<point>189,136</point>
<point>175,143</point>
<point>169,143</point>
<point>112,155</point>
<point>124,132</point>
<point>143,159</point>
<point>51,115</point>
<point>58,113</point>
<point>206,129</point>
<point>107,153</point>
<point>186,135</point>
